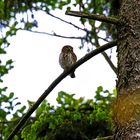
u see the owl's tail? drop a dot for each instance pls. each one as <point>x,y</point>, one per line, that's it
<point>72,75</point>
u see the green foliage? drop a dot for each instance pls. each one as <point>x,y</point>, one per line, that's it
<point>100,7</point>
<point>8,101</point>
<point>10,9</point>
<point>72,119</point>
<point>4,69</point>
<point>7,109</point>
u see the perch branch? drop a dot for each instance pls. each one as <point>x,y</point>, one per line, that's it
<point>56,82</point>
<point>101,18</point>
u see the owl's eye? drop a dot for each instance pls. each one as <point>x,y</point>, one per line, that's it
<point>71,49</point>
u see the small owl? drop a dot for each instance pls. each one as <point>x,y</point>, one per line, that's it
<point>67,58</point>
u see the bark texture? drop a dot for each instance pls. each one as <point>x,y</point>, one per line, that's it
<point>129,47</point>
<point>127,108</point>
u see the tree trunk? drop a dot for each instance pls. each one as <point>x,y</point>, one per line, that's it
<point>127,108</point>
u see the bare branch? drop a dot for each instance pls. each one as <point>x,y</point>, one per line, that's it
<point>101,18</point>
<point>103,39</point>
<point>104,138</point>
<point>54,34</point>
<point>106,56</point>
<point>56,82</point>
<point>109,62</point>
<point>79,28</point>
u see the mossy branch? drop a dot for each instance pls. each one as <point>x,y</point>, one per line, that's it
<point>56,82</point>
<point>101,18</point>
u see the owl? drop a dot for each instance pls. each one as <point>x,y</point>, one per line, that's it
<point>67,58</point>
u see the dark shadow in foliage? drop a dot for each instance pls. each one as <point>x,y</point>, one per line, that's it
<point>80,131</point>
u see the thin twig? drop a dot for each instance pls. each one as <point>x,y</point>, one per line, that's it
<point>101,18</point>
<point>56,82</point>
<point>104,39</point>
<point>104,138</point>
<point>54,34</point>
<point>110,62</point>
<point>83,29</point>
<point>105,54</point>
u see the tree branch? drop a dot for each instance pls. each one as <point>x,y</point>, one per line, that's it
<point>54,34</point>
<point>79,28</point>
<point>104,39</point>
<point>101,18</point>
<point>109,62</point>
<point>104,138</point>
<point>104,53</point>
<point>56,82</point>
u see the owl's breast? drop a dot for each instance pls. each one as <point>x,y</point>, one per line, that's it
<point>66,60</point>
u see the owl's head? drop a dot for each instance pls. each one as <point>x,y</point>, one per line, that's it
<point>67,49</point>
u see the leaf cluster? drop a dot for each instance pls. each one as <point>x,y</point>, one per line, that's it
<point>72,119</point>
<point>99,7</point>
<point>8,105</point>
<point>11,9</point>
